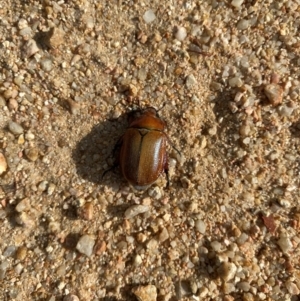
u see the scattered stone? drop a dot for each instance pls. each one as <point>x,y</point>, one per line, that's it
<point>46,64</point>
<point>15,128</point>
<point>235,82</point>
<point>21,253</point>
<point>237,3</point>
<point>3,164</point>
<point>86,211</point>
<point>190,81</point>
<point>32,154</point>
<point>13,104</point>
<point>135,210</point>
<point>30,48</point>
<point>51,188</point>
<point>145,293</point>
<point>200,226</point>
<point>43,185</point>
<point>227,271</point>
<point>23,205</point>
<point>74,107</point>
<point>292,288</point>
<point>71,297</point>
<point>164,235</point>
<point>100,247</point>
<point>285,244</point>
<point>85,245</point>
<point>24,220</point>
<point>181,33</point>
<point>244,286</point>
<point>149,16</point>
<point>56,37</point>
<point>274,93</point>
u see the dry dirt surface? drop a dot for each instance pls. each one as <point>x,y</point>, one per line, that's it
<point>225,76</point>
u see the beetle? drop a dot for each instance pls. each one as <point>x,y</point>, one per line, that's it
<point>142,154</point>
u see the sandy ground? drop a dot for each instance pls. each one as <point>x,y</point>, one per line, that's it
<point>227,74</point>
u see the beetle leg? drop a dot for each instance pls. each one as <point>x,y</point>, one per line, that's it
<point>115,155</point>
<point>173,146</point>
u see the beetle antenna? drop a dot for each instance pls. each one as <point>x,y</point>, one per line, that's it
<point>163,105</point>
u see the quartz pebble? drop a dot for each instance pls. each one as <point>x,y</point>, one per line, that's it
<point>237,3</point>
<point>274,93</point>
<point>190,81</point>
<point>15,128</point>
<point>85,245</point>
<point>3,164</point>
<point>181,33</point>
<point>200,226</point>
<point>135,210</point>
<point>145,293</point>
<point>285,244</point>
<point>149,16</point>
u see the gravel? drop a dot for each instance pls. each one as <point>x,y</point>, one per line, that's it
<point>224,76</point>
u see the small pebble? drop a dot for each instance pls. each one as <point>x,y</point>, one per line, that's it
<point>292,288</point>
<point>285,244</point>
<point>227,271</point>
<point>15,128</point>
<point>164,235</point>
<point>135,210</point>
<point>145,293</point>
<point>13,104</point>
<point>56,37</point>
<point>23,205</point>
<point>32,154</point>
<point>43,185</point>
<point>149,16</point>
<point>181,33</point>
<point>30,48</point>
<point>24,220</point>
<point>21,253</point>
<point>71,297</point>
<point>137,260</point>
<point>200,226</point>
<point>237,3</point>
<point>190,81</point>
<point>86,211</point>
<point>85,245</point>
<point>46,64</point>
<point>3,164</point>
<point>243,24</point>
<point>235,82</point>
<point>274,93</point>
<point>243,285</point>
<point>74,107</point>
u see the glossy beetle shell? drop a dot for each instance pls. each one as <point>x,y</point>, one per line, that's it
<point>143,153</point>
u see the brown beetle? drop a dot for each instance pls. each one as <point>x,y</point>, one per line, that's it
<point>143,149</point>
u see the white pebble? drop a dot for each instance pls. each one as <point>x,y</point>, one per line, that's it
<point>285,244</point>
<point>237,3</point>
<point>180,33</point>
<point>3,164</point>
<point>200,226</point>
<point>85,245</point>
<point>149,16</point>
<point>135,210</point>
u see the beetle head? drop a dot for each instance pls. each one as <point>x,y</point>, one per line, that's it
<point>146,118</point>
